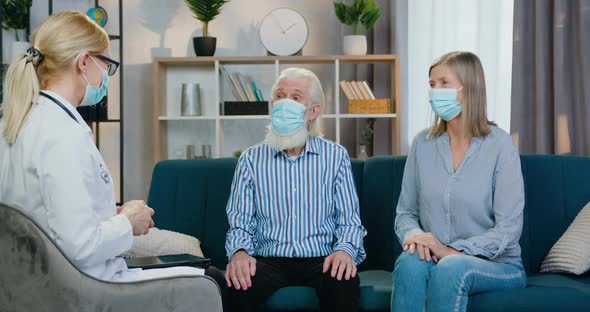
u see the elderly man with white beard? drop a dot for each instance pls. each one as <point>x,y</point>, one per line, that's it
<point>293,210</point>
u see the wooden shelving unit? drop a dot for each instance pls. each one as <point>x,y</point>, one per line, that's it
<point>206,70</point>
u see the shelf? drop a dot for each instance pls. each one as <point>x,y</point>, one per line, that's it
<point>114,37</point>
<point>172,118</point>
<point>367,115</point>
<point>257,60</point>
<point>266,117</point>
<point>229,132</point>
<point>242,117</point>
<point>341,116</point>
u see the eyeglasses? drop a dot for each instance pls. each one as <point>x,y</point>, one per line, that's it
<point>112,65</point>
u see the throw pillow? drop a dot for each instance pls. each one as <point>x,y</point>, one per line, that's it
<point>571,253</point>
<point>162,242</point>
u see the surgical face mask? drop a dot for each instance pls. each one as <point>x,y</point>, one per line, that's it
<point>444,103</point>
<point>94,94</point>
<point>287,117</point>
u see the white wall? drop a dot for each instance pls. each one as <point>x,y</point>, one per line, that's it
<point>154,27</point>
<point>151,24</point>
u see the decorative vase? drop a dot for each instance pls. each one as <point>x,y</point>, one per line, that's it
<point>190,100</point>
<point>363,152</point>
<point>354,45</point>
<point>204,46</point>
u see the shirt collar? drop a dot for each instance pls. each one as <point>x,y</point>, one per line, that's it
<point>311,147</point>
<point>444,147</point>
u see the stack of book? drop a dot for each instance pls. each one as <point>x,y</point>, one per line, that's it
<point>243,88</point>
<point>357,90</point>
<point>361,99</point>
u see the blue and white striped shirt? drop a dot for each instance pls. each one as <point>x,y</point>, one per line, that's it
<point>296,208</point>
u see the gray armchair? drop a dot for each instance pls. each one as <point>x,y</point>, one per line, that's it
<point>35,275</point>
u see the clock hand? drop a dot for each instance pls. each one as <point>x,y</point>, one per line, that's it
<point>278,23</point>
<point>290,26</point>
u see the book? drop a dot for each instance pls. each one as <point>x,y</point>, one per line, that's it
<point>254,90</point>
<point>346,90</point>
<point>364,92</point>
<point>352,90</point>
<point>230,83</point>
<point>248,89</point>
<point>235,78</point>
<point>259,93</point>
<point>357,90</point>
<point>371,94</point>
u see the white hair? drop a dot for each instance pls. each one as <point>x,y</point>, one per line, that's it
<point>317,93</point>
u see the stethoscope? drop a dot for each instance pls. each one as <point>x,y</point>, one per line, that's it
<point>103,172</point>
<point>59,104</point>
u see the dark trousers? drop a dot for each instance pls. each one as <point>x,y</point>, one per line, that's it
<point>275,273</point>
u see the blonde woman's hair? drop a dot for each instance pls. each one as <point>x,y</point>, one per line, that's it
<point>469,71</point>
<point>317,93</point>
<point>56,45</point>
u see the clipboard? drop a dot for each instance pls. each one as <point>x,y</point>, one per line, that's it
<point>157,262</point>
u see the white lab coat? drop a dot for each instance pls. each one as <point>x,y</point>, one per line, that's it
<point>55,173</point>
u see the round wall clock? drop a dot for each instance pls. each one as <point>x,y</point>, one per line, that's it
<point>283,32</point>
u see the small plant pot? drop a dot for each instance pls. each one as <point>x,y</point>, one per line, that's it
<point>362,155</point>
<point>354,45</point>
<point>204,46</point>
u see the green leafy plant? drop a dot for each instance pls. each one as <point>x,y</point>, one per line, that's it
<point>15,14</point>
<point>364,12</point>
<point>205,11</point>
<point>238,153</point>
<point>367,135</point>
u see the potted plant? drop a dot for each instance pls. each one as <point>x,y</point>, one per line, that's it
<point>363,12</point>
<point>15,16</point>
<point>205,11</point>
<point>366,139</point>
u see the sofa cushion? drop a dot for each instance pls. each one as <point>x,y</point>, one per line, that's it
<point>544,292</point>
<point>571,253</point>
<point>581,283</point>
<point>382,179</point>
<point>163,242</point>
<point>376,286</point>
<point>295,298</point>
<point>531,299</point>
<point>189,196</point>
<point>556,188</point>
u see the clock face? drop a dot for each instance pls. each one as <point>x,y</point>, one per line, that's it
<point>283,32</point>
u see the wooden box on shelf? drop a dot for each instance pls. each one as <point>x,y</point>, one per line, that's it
<point>245,108</point>
<point>376,106</point>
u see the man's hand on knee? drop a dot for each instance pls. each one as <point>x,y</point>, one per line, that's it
<point>342,265</point>
<point>240,270</point>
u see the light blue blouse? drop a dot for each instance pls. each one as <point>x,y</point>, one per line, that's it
<point>477,209</point>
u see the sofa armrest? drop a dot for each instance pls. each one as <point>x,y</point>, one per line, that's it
<point>190,293</point>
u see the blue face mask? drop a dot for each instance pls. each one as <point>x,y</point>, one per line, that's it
<point>444,103</point>
<point>287,117</point>
<point>94,94</point>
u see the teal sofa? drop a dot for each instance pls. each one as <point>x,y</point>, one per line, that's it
<point>190,196</point>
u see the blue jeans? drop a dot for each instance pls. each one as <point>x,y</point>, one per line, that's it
<point>420,285</point>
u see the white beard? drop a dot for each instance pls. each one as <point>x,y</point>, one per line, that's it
<point>281,143</point>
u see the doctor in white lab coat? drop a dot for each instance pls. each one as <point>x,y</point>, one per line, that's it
<point>49,164</point>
